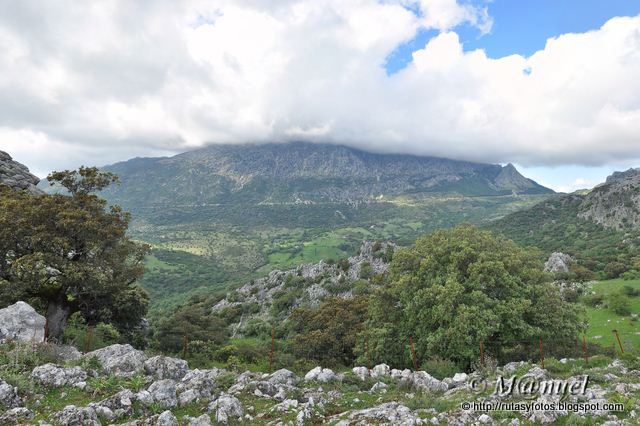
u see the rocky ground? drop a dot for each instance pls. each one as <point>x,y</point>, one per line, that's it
<point>121,385</point>
<point>310,283</point>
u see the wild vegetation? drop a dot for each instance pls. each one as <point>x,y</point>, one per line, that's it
<point>69,253</point>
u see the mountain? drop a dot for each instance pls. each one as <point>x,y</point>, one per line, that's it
<point>615,203</point>
<point>16,175</point>
<point>600,227</point>
<point>225,214</point>
<point>303,173</point>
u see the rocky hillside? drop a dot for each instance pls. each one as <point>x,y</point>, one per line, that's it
<point>615,203</point>
<point>16,175</point>
<point>598,227</point>
<point>44,384</point>
<point>302,173</point>
<point>308,284</point>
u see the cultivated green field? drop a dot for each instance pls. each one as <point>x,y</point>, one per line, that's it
<point>602,321</point>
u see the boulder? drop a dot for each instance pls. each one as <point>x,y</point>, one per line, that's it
<point>166,418</point>
<point>380,370</point>
<point>225,408</point>
<point>76,416</point>
<point>9,397</point>
<point>558,262</point>
<point>16,416</point>
<point>164,393</point>
<point>322,375</point>
<point>201,383</point>
<point>203,420</point>
<point>313,373</point>
<point>361,372</point>
<point>424,381</point>
<point>284,377</point>
<point>16,176</point>
<point>121,360</point>
<point>164,367</point>
<point>459,379</point>
<point>21,322</point>
<point>55,376</point>
<point>121,402</point>
<point>378,386</point>
<point>144,397</point>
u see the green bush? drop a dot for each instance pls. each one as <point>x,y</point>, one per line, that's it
<point>366,271</point>
<point>619,303</point>
<point>440,368</point>
<point>630,291</point>
<point>630,275</point>
<point>224,353</point>
<point>631,360</point>
<point>593,300</point>
<point>614,269</point>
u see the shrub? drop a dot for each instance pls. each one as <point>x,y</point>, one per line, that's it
<point>619,303</point>
<point>226,352</point>
<point>366,271</point>
<point>593,300</point>
<point>440,368</point>
<point>614,269</point>
<point>328,333</point>
<point>631,360</point>
<point>630,291</point>
<point>630,275</point>
<point>344,264</point>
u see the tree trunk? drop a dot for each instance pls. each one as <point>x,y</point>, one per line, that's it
<point>57,314</point>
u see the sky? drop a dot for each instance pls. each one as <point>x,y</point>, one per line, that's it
<point>549,85</point>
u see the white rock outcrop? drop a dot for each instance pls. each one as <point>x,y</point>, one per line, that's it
<point>21,322</point>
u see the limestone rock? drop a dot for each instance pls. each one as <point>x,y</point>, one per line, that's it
<point>558,262</point>
<point>164,393</point>
<point>424,381</point>
<point>203,420</point>
<point>9,397</point>
<point>322,375</point>
<point>380,370</point>
<point>284,377</point>
<point>361,372</point>
<point>16,176</point>
<point>21,322</point>
<point>199,383</point>
<point>56,376</point>
<point>225,408</point>
<point>15,416</point>
<point>121,360</point>
<point>163,367</point>
<point>76,416</point>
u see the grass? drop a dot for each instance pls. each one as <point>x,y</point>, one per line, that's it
<point>602,321</point>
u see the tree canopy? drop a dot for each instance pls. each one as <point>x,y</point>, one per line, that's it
<point>70,253</point>
<point>328,333</point>
<point>456,288</point>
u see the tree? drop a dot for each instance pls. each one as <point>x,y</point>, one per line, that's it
<point>456,288</point>
<point>70,253</point>
<point>328,333</point>
<point>191,321</point>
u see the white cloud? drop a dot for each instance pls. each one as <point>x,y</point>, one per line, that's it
<point>92,82</point>
<point>447,14</point>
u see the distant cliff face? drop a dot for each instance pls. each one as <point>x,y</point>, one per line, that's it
<point>303,173</point>
<point>16,175</point>
<point>615,203</point>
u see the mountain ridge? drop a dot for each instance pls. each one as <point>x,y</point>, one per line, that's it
<point>302,171</point>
